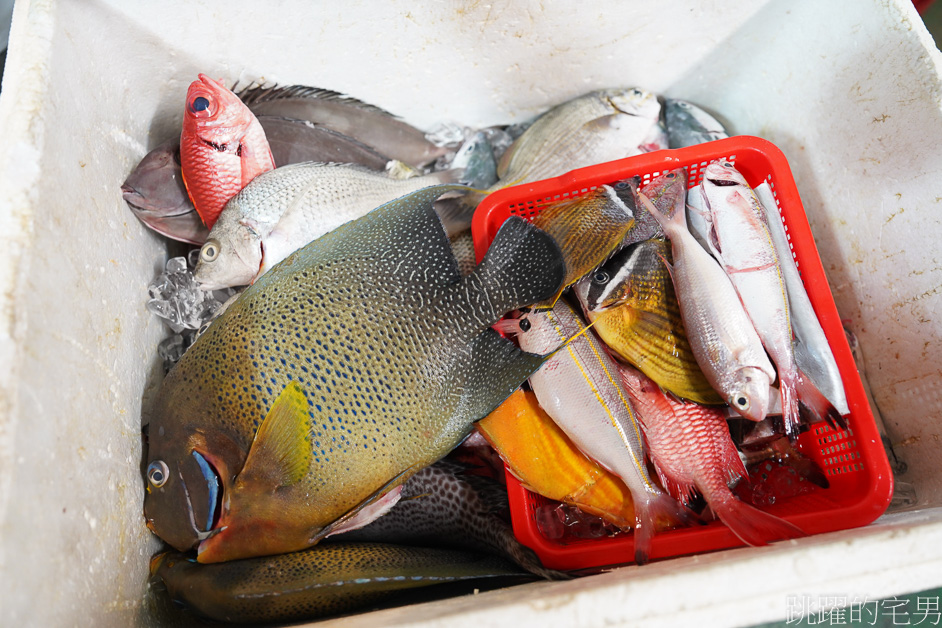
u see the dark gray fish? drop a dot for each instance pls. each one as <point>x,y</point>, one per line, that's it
<point>326,580</point>
<point>350,366</point>
<point>442,506</point>
<point>155,192</point>
<point>688,124</point>
<point>366,123</point>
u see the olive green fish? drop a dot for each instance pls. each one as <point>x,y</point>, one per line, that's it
<point>358,360</point>
<point>325,580</point>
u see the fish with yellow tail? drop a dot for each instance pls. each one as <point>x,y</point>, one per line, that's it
<point>360,359</point>
<point>579,387</point>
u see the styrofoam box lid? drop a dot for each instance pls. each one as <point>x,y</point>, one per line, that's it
<point>848,89</point>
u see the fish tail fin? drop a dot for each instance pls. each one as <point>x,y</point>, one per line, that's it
<point>677,220</point>
<point>656,510</point>
<point>523,265</point>
<point>817,404</point>
<point>456,210</point>
<point>788,392</point>
<point>751,525</point>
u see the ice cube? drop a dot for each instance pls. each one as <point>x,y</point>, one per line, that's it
<point>448,134</point>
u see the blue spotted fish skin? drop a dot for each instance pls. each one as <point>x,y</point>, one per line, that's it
<point>391,348</point>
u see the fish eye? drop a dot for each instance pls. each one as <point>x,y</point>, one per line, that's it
<point>727,164</point>
<point>621,185</point>
<point>157,473</point>
<point>524,324</point>
<point>670,175</point>
<point>210,251</point>
<point>200,103</point>
<point>600,277</point>
<point>740,401</point>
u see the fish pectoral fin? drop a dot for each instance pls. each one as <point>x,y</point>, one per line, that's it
<point>280,455</point>
<point>373,498</point>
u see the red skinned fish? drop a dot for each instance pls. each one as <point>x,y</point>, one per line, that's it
<point>222,147</point>
<point>692,451</point>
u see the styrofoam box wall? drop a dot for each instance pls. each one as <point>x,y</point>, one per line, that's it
<point>849,89</point>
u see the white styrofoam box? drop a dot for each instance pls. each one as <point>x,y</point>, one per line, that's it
<point>849,89</point>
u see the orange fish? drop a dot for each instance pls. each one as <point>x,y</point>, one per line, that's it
<point>222,147</point>
<point>547,462</point>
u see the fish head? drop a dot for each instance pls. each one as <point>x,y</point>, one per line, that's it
<point>214,114</point>
<point>723,173</point>
<point>155,184</point>
<point>634,102</point>
<point>611,284</point>
<point>232,254</point>
<point>749,394</point>
<point>189,473</point>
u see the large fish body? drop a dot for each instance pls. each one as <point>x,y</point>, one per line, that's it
<point>284,209</point>
<point>693,452</point>
<point>325,580</point>
<point>722,337</point>
<point>600,126</point>
<point>222,147</point>
<point>742,240</point>
<point>359,360</point>
<point>579,387</point>
<point>367,123</point>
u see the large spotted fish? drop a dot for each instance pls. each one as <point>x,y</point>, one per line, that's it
<point>359,360</point>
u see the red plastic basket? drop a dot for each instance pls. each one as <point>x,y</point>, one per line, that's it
<point>853,460</point>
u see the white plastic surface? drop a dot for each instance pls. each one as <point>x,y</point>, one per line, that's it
<point>849,89</point>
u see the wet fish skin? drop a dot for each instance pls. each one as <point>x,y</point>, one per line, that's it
<point>222,147</point>
<point>367,123</point>
<point>326,580</point>
<point>590,227</point>
<point>156,194</point>
<point>689,124</point>
<point>596,127</point>
<point>359,360</point>
<point>720,333</point>
<point>579,387</point>
<point>442,506</point>
<point>548,463</point>
<point>633,307</point>
<point>742,240</point>
<point>693,452</point>
<point>284,209</point>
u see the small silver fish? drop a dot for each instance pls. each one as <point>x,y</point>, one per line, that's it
<point>282,210</point>
<point>689,124</point>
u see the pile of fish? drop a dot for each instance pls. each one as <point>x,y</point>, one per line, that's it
<point>295,441</point>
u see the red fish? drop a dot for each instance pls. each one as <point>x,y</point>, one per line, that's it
<point>693,451</point>
<point>222,147</point>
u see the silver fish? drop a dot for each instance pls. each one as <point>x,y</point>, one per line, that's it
<point>594,128</point>
<point>283,209</point>
<point>689,124</point>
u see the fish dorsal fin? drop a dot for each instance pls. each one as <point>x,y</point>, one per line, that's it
<point>281,452</point>
<point>371,499</point>
<point>256,94</point>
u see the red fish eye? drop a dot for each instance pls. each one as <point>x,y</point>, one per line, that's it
<point>200,103</point>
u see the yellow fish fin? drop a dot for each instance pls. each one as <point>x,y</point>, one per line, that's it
<point>281,452</point>
<point>374,497</point>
